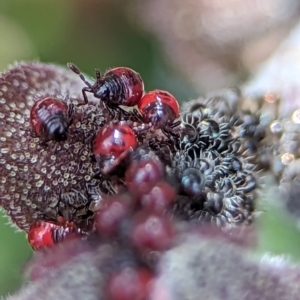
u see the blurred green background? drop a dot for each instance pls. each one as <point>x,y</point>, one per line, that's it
<point>99,34</point>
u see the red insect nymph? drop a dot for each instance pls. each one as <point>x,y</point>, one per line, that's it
<point>45,234</point>
<point>159,108</point>
<point>49,119</point>
<point>118,86</point>
<point>112,142</point>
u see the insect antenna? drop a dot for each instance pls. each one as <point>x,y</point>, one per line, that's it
<point>73,68</point>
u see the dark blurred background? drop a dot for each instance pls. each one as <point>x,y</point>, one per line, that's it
<point>186,47</point>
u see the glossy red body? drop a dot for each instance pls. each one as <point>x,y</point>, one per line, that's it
<point>113,140</point>
<point>159,107</point>
<point>132,84</point>
<point>40,235</point>
<point>45,109</point>
<point>44,234</point>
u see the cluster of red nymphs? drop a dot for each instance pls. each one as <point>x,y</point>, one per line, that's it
<point>137,218</point>
<point>118,87</point>
<point>63,158</point>
<point>144,177</point>
<point>121,167</point>
<point>139,148</point>
<point>119,170</point>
